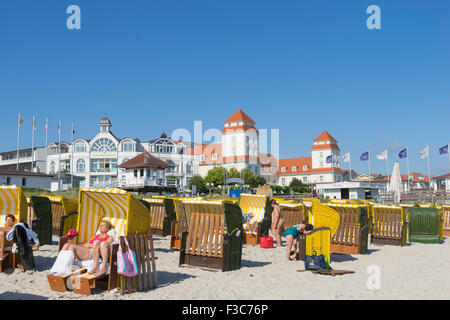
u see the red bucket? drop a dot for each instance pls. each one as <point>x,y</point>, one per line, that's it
<point>266,242</point>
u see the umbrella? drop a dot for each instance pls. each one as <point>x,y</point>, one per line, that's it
<point>396,182</point>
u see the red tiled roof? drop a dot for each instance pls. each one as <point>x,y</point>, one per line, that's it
<point>145,160</point>
<point>240,116</point>
<point>447,175</point>
<point>325,136</point>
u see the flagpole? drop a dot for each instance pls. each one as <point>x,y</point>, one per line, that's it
<point>59,156</point>
<point>368,155</point>
<point>71,163</point>
<point>46,141</point>
<point>350,166</point>
<point>407,164</point>
<point>429,175</point>
<point>18,142</point>
<point>32,145</point>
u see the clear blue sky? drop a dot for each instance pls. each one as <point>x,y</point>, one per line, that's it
<point>299,66</point>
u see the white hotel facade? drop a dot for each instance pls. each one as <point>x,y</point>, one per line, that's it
<point>96,160</point>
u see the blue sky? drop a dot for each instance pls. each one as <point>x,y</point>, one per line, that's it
<point>298,66</point>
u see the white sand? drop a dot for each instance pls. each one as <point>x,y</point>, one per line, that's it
<point>418,271</point>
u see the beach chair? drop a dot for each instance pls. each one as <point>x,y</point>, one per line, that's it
<point>292,212</point>
<point>425,224</point>
<point>446,220</point>
<point>128,216</point>
<point>184,207</point>
<point>261,210</point>
<point>389,225</point>
<point>42,223</point>
<point>63,216</point>
<point>326,222</point>
<point>12,201</point>
<point>179,225</point>
<point>352,234</point>
<point>214,240</point>
<point>162,213</point>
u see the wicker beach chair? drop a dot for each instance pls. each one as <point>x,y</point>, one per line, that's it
<point>214,240</point>
<point>259,207</point>
<point>128,216</point>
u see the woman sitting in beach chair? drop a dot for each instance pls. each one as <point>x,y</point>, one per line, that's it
<point>98,246</point>
<point>291,235</point>
<point>9,223</point>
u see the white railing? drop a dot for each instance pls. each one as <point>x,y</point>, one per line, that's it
<point>143,182</point>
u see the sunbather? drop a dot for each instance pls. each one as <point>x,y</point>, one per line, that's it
<point>291,234</point>
<point>277,227</point>
<point>98,246</point>
<point>9,223</point>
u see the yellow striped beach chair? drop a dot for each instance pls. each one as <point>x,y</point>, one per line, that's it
<point>260,210</point>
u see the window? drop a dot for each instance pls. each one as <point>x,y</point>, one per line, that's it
<point>104,165</point>
<point>173,169</point>
<point>104,145</point>
<point>214,156</point>
<point>123,161</point>
<point>79,146</point>
<point>163,146</point>
<point>81,166</point>
<point>104,128</point>
<point>321,163</point>
<point>24,182</point>
<point>283,169</point>
<point>128,146</point>
<point>8,181</point>
<point>294,169</point>
<point>321,178</point>
<point>305,168</point>
<point>305,179</point>
<point>283,181</point>
<point>52,167</point>
<point>189,167</point>
<point>202,157</point>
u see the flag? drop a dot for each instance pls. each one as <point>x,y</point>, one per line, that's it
<point>424,153</point>
<point>329,159</point>
<point>443,150</point>
<point>59,127</point>
<point>382,155</point>
<point>346,157</point>
<point>20,120</point>
<point>34,123</point>
<point>46,125</point>
<point>364,156</point>
<point>403,154</point>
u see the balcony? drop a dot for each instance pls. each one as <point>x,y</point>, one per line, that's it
<point>143,182</point>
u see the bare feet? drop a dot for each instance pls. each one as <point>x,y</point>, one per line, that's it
<point>94,270</point>
<point>101,272</point>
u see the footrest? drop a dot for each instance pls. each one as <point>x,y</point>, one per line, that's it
<point>59,283</point>
<point>83,283</point>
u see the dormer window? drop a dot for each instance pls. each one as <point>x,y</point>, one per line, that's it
<point>283,169</point>
<point>294,169</point>
<point>305,168</point>
<point>214,156</point>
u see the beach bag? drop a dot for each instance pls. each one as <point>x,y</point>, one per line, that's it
<point>126,261</point>
<point>316,262</point>
<point>266,242</point>
<point>63,263</point>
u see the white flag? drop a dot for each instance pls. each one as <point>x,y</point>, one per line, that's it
<point>424,153</point>
<point>382,155</point>
<point>346,157</point>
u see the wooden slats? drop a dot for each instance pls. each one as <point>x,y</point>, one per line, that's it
<point>291,216</point>
<point>446,217</point>
<point>142,245</point>
<point>205,235</point>
<point>348,230</point>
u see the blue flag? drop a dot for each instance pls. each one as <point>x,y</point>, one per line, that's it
<point>329,159</point>
<point>403,154</point>
<point>364,156</point>
<point>443,150</point>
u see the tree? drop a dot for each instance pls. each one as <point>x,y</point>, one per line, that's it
<point>216,175</point>
<point>199,182</point>
<point>298,186</point>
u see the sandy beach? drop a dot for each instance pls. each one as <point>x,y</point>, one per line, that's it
<point>417,271</point>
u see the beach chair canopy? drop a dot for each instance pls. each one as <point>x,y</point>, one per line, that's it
<point>125,212</point>
<point>12,201</point>
<point>68,205</point>
<point>255,205</point>
<point>320,215</point>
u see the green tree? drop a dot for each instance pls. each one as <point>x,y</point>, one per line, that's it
<point>298,186</point>
<point>216,175</point>
<point>199,182</point>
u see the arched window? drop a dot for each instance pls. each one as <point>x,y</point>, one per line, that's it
<point>52,167</point>
<point>123,161</point>
<point>173,169</point>
<point>104,145</point>
<point>79,146</point>
<point>81,166</point>
<point>163,146</point>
